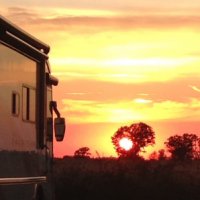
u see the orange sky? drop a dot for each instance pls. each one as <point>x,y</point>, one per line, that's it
<point>119,62</point>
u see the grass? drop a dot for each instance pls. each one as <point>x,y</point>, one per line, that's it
<point>121,179</point>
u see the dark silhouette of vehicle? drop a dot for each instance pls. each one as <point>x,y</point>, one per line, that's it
<point>26,116</point>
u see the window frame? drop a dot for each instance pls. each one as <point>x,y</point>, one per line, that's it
<point>27,111</point>
<point>15,103</point>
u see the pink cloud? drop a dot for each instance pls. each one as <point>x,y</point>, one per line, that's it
<point>134,20</point>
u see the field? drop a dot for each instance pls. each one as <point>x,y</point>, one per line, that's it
<point>113,179</point>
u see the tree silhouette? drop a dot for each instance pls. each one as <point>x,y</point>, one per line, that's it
<point>182,147</point>
<point>158,155</point>
<point>82,152</point>
<point>153,156</point>
<point>162,155</point>
<point>197,149</point>
<point>140,134</point>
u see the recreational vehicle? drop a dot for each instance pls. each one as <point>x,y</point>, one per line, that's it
<point>27,125</point>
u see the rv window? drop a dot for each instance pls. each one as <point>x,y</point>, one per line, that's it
<point>29,104</point>
<point>15,104</point>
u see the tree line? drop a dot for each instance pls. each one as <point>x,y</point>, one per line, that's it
<point>180,147</point>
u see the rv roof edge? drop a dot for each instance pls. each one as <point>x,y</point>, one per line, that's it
<point>23,35</point>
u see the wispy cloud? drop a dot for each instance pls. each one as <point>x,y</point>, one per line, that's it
<point>142,101</point>
<point>110,20</point>
<point>126,70</point>
<point>126,111</point>
<point>195,88</point>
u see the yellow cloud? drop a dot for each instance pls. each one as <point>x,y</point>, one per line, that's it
<point>126,70</point>
<point>84,111</point>
<point>143,101</point>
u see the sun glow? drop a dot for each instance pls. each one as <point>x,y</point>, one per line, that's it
<point>126,143</point>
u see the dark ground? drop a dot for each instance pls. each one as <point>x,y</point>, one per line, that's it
<point>112,179</point>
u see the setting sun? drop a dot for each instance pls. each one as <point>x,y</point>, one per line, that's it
<point>126,143</point>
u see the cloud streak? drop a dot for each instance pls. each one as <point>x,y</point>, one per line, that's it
<point>65,18</point>
<point>195,88</point>
<point>85,111</point>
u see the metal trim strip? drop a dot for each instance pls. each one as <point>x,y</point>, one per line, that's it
<point>22,180</point>
<point>6,25</point>
<point>24,43</point>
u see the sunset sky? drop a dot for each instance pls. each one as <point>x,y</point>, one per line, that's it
<point>118,62</point>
